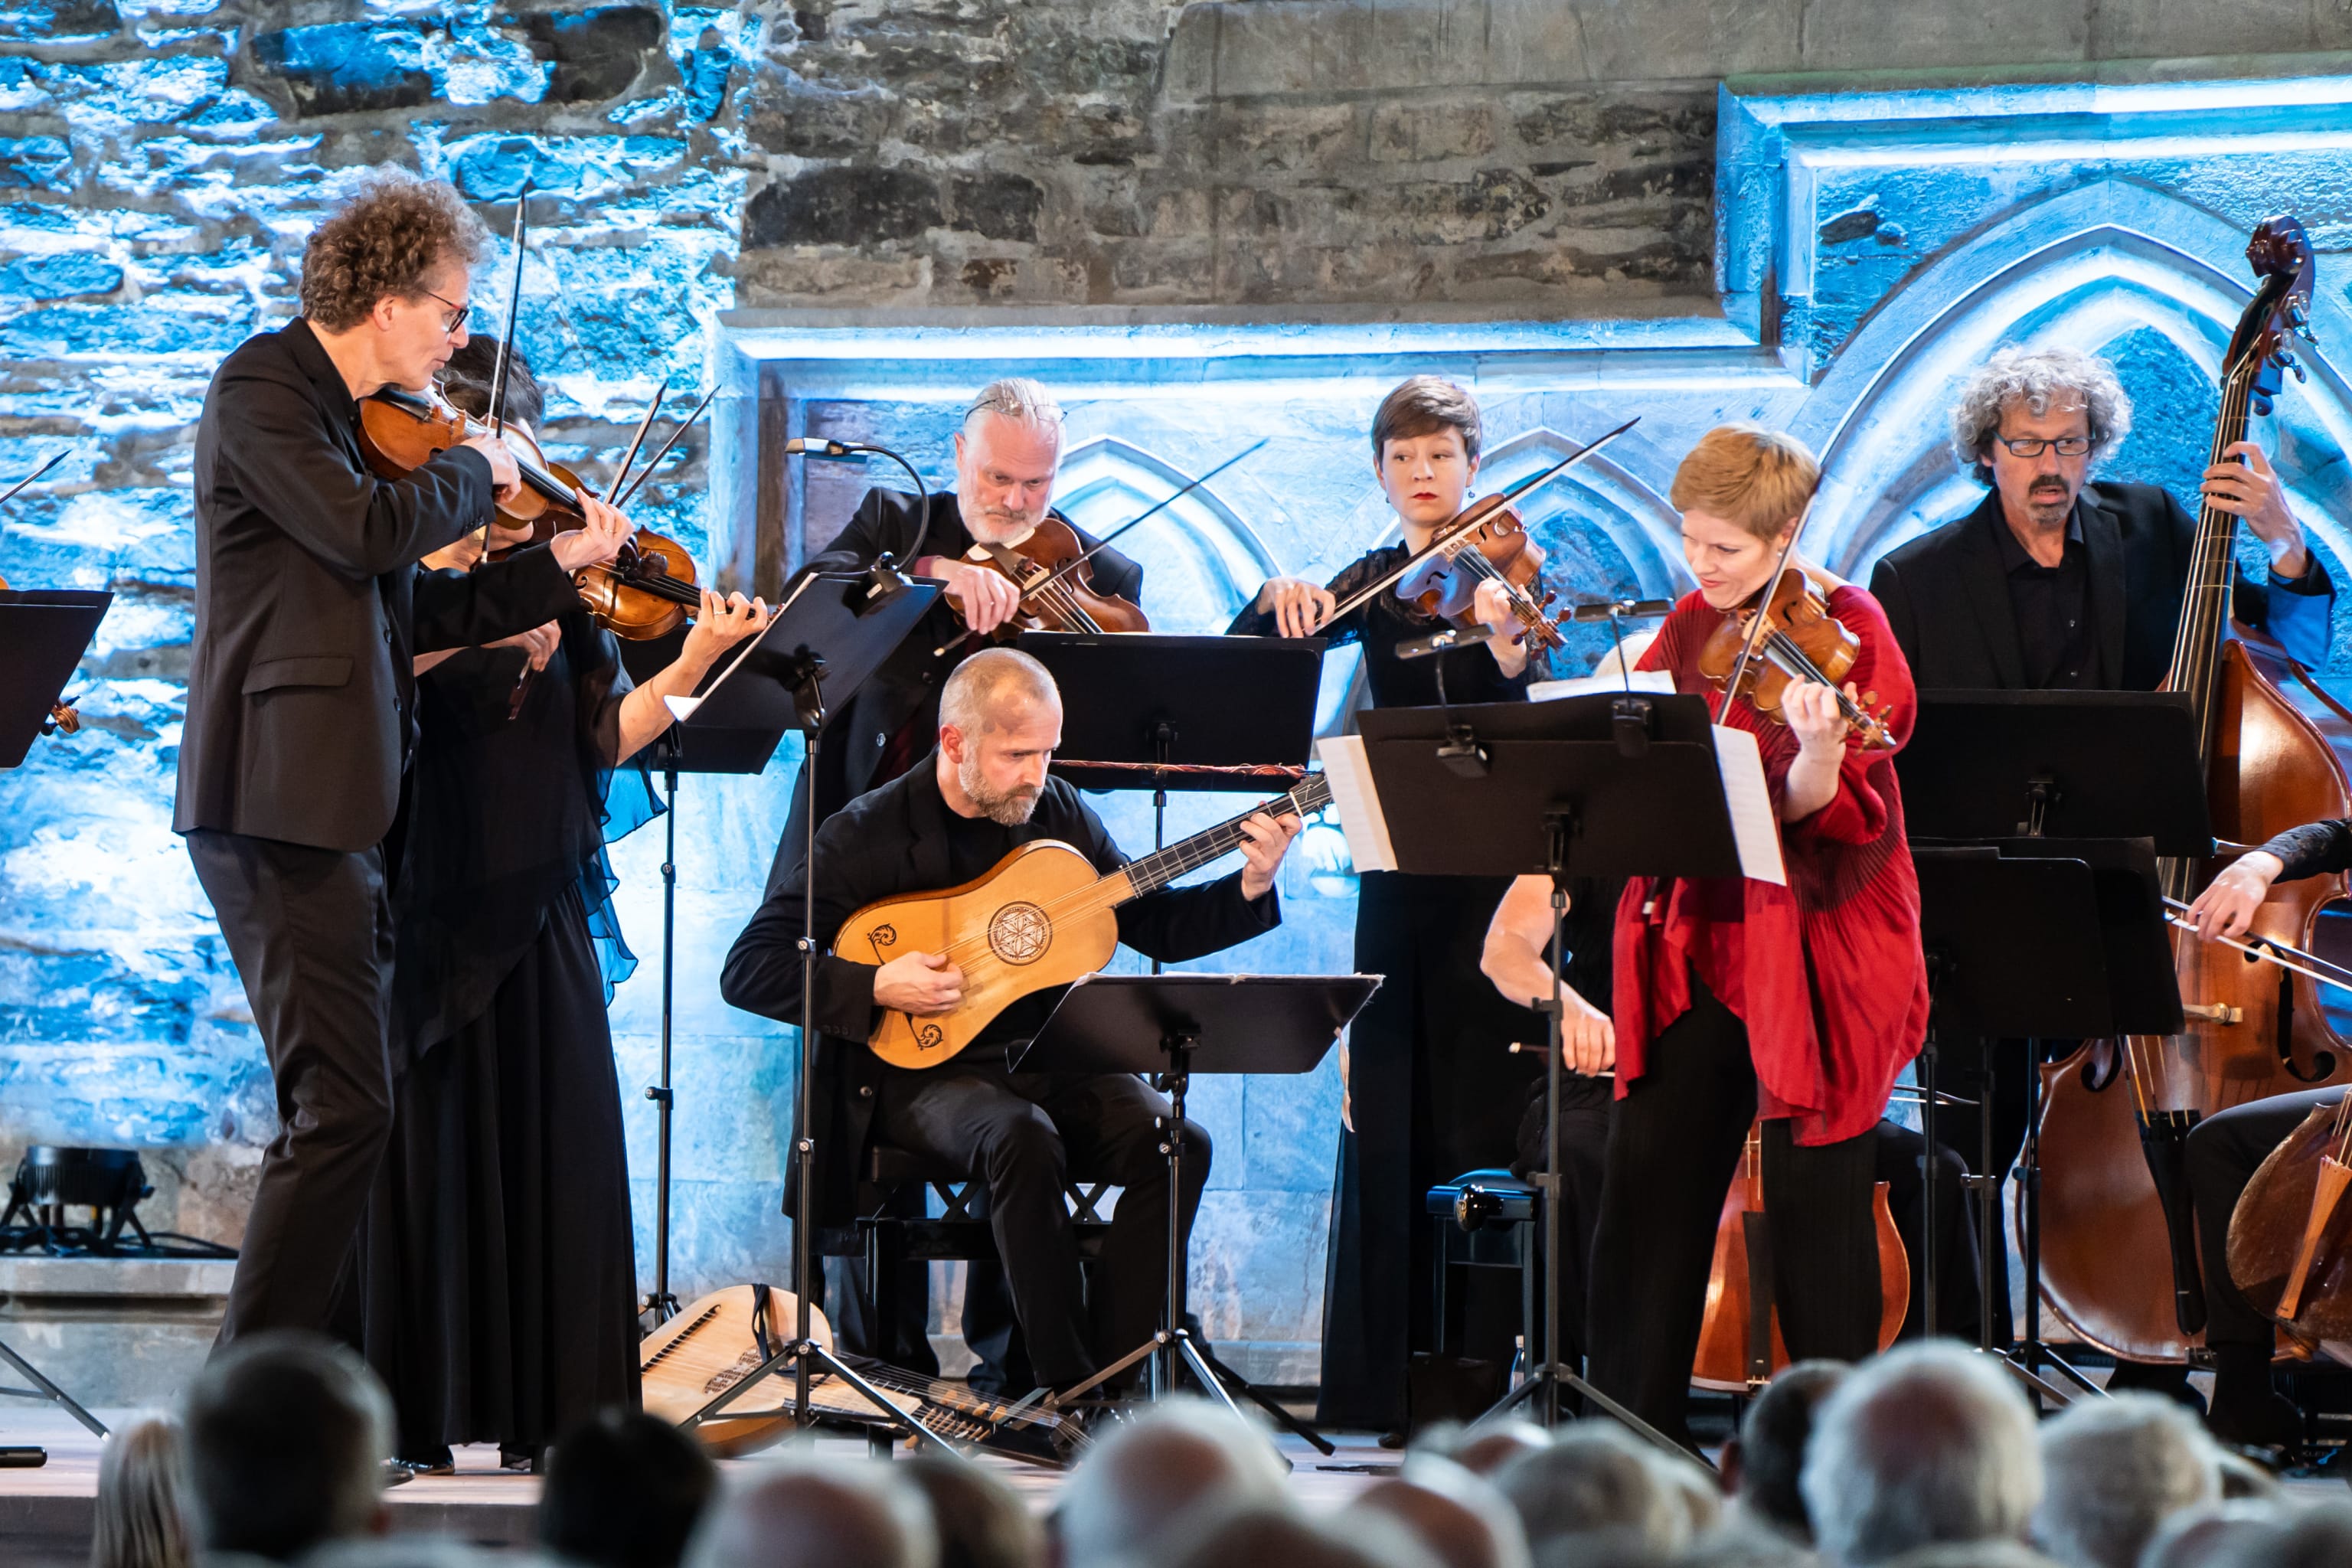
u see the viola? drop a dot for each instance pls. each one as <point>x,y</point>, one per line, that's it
<point>1057,588</point>
<point>401,431</point>
<point>1487,542</point>
<point>1758,652</point>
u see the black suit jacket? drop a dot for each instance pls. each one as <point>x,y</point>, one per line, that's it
<point>310,605</point>
<point>894,840</point>
<point>906,690</point>
<point>1945,594</point>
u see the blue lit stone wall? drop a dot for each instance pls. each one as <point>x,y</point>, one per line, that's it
<point>846,215</point>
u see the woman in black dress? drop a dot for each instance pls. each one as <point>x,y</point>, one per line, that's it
<point>498,1269</point>
<point>1433,1087</point>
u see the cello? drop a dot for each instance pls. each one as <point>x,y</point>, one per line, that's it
<point>2117,1236</point>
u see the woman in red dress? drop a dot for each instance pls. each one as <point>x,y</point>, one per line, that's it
<point>1739,998</point>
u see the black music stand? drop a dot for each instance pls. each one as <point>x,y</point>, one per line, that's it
<point>831,632</point>
<point>1176,1025</point>
<point>43,635</point>
<point>2031,777</point>
<point>1617,784</point>
<point>741,748</point>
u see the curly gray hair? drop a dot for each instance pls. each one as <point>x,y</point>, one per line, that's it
<point>2041,379</point>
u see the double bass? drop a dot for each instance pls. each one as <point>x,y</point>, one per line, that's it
<point>2117,1235</point>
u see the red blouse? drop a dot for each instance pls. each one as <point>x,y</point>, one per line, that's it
<point>1826,972</point>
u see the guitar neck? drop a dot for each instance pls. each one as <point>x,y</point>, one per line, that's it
<point>1158,869</point>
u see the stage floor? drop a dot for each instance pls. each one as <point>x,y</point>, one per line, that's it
<point>45,1513</point>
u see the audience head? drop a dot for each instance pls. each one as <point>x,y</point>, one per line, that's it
<point>980,1521</point>
<point>2316,1537</point>
<point>999,721</point>
<point>139,1521</point>
<point>287,1437</point>
<point>2201,1537</point>
<point>1975,1554</point>
<point>1279,1536</point>
<point>1927,1444</point>
<point>2243,1480</point>
<point>2113,1470</point>
<point>817,1513</point>
<point>1484,1449</point>
<point>625,1490</point>
<point>1459,1518</point>
<point>1763,1462</point>
<point>1183,1457</point>
<point>1595,1490</point>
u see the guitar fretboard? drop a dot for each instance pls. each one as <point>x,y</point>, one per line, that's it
<point>1157,870</point>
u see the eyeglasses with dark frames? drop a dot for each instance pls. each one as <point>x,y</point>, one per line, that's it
<point>458,313</point>
<point>2034,446</point>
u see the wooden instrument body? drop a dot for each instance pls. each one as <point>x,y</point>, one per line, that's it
<point>1073,603</point>
<point>1732,1354</point>
<point>1003,934</point>
<point>709,1348</point>
<point>2106,1258</point>
<point>2276,1219</point>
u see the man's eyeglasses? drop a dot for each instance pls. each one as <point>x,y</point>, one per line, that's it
<point>2034,446</point>
<point>458,313</point>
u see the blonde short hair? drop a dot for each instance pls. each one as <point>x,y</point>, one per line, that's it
<point>1746,474</point>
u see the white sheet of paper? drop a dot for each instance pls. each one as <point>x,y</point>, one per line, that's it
<point>1755,826</point>
<point>1360,822</point>
<point>1602,685</point>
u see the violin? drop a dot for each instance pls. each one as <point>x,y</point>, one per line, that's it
<point>1486,543</point>
<point>401,431</point>
<point>1758,652</point>
<point>1057,589</point>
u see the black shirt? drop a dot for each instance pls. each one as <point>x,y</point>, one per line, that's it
<point>2055,631</point>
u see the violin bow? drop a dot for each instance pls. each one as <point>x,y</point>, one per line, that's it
<point>621,474</point>
<point>1755,637</point>
<point>620,496</point>
<point>1075,561</point>
<point>13,489</point>
<point>1389,580</point>
<point>514,304</point>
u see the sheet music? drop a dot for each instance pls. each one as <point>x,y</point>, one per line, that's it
<point>1350,773</point>
<point>1609,685</point>
<point>1755,825</point>
<point>684,708</point>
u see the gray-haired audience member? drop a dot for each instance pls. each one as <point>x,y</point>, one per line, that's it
<point>287,1437</point>
<point>982,1522</point>
<point>1484,1449</point>
<point>625,1490</point>
<point>139,1521</point>
<point>1462,1519</point>
<point>2316,1537</point>
<point>1976,1554</point>
<point>1185,1454</point>
<point>2114,1469</point>
<point>2243,1480</point>
<point>1760,1466</point>
<point>1927,1444</point>
<point>817,1513</point>
<point>1277,1535</point>
<point>2196,1537</point>
<point>1595,1494</point>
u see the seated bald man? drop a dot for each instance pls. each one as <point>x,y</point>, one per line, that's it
<point>983,792</point>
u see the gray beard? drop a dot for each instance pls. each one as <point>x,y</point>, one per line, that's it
<point>1007,808</point>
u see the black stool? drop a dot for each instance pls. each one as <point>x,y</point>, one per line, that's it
<point>1488,1219</point>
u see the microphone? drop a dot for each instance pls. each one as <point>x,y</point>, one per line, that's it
<point>821,447</point>
<point>883,580</point>
<point>1422,648</point>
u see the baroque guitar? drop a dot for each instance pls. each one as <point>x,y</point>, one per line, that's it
<point>1042,917</point>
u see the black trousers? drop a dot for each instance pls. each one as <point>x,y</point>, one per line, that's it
<point>311,930</point>
<point>2224,1152</point>
<point>1674,1148</point>
<point>1026,1134</point>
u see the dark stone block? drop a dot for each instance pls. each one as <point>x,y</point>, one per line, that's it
<point>37,163</point>
<point>60,277</point>
<point>343,68</point>
<point>58,21</point>
<point>807,124</point>
<point>597,53</point>
<point>842,207</point>
<point>997,207</point>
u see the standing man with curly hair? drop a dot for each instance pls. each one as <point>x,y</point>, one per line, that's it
<point>2057,582</point>
<point>301,712</point>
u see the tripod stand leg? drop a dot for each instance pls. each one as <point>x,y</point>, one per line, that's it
<point>1250,1391</point>
<point>44,1389</point>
